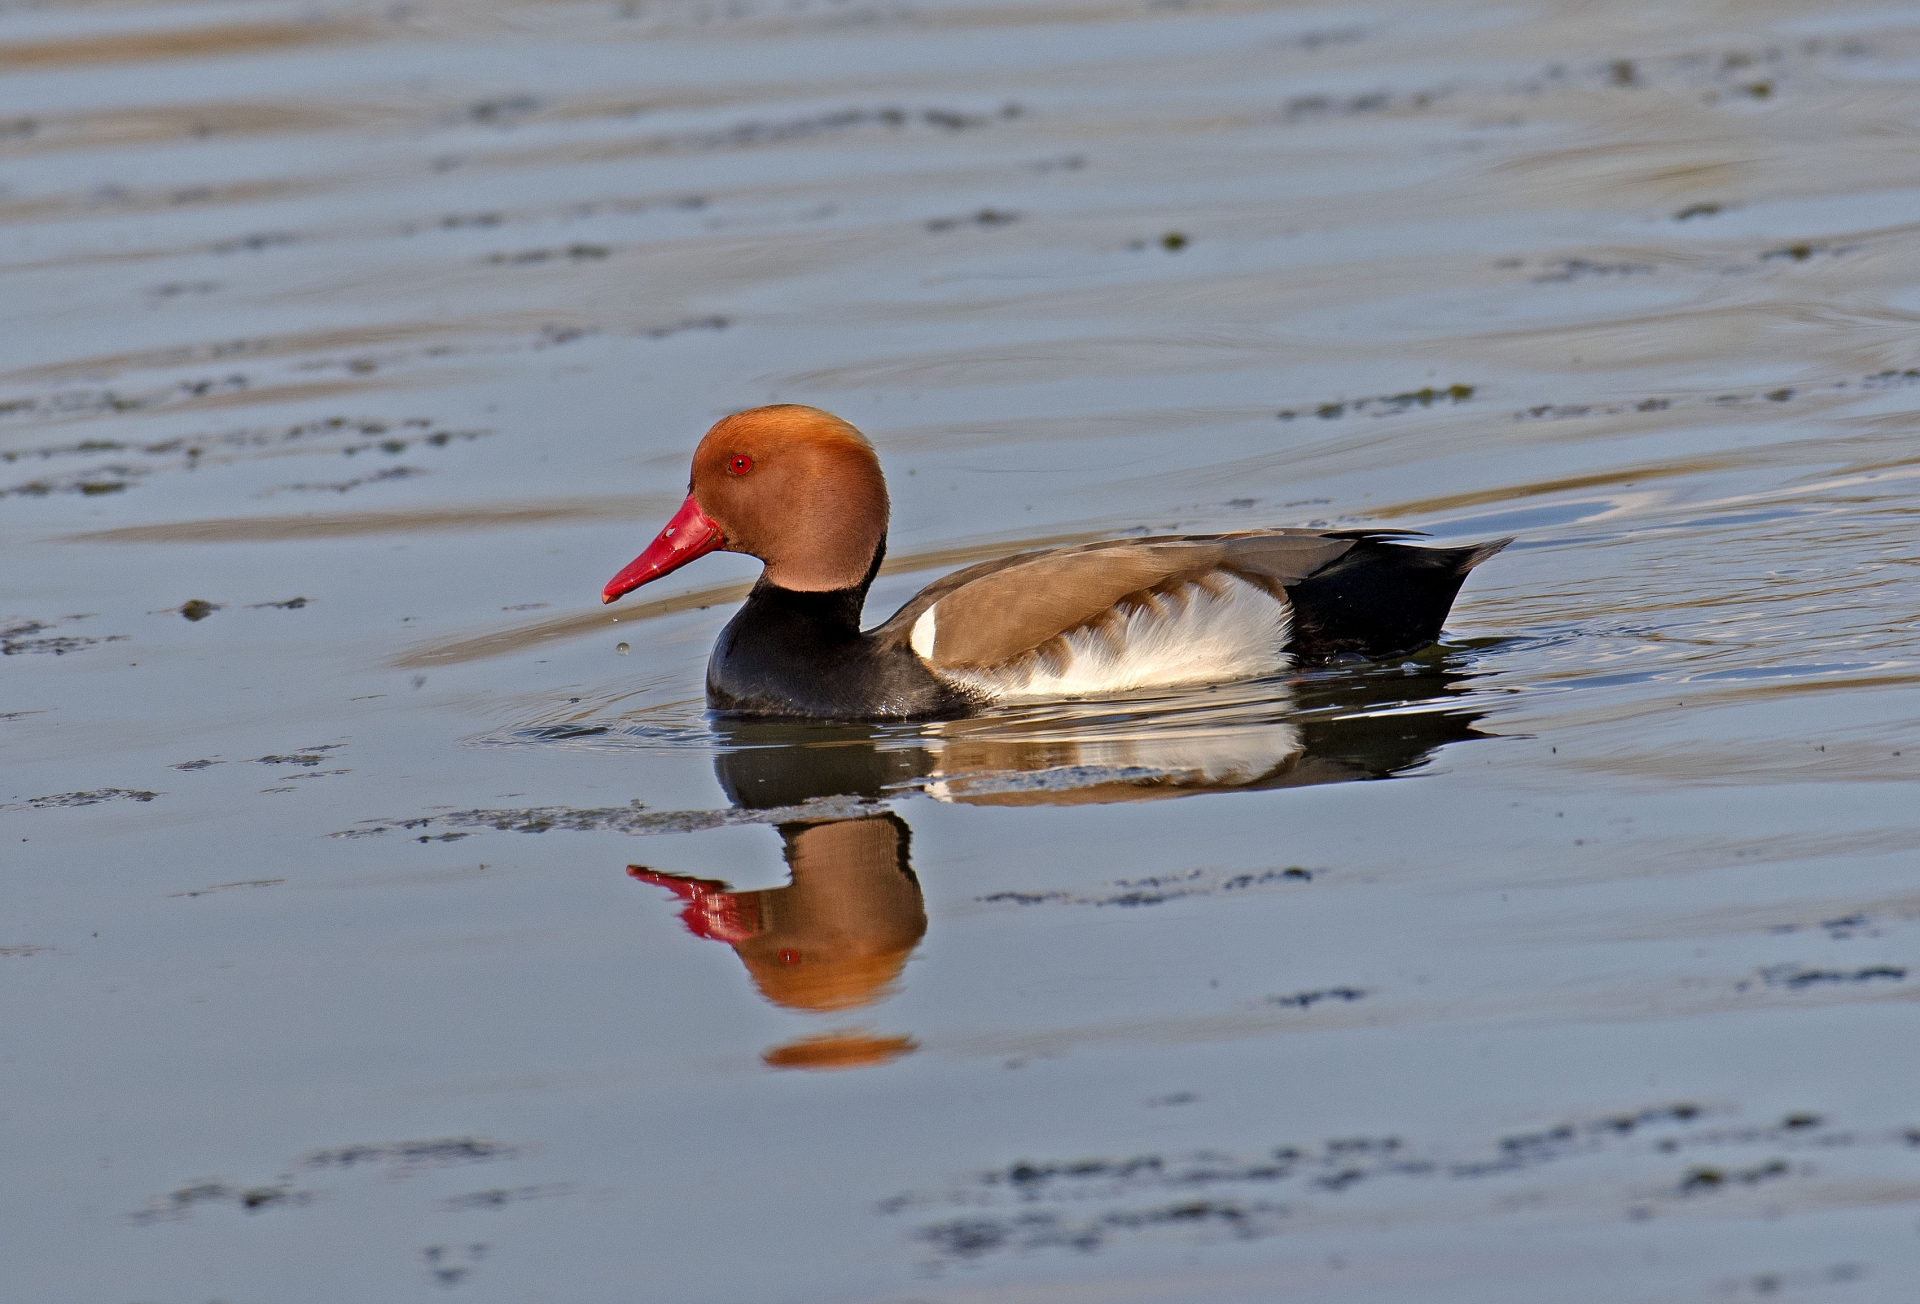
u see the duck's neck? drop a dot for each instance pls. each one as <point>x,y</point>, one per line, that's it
<point>834,614</point>
<point>794,653</point>
<point>829,613</point>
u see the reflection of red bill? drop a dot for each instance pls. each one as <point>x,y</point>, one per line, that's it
<point>690,534</point>
<point>711,910</point>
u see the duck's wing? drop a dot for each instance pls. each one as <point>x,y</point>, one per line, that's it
<point>987,615</point>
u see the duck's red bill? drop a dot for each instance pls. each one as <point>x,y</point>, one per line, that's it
<point>711,910</point>
<point>691,533</point>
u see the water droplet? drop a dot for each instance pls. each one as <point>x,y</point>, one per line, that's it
<point>623,648</point>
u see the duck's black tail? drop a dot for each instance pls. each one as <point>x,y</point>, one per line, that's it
<point>1380,598</point>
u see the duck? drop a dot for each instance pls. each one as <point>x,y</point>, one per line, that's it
<point>802,491</point>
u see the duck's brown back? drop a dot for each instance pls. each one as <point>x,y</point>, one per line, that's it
<point>991,614</point>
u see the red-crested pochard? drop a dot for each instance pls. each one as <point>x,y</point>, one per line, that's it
<point>801,490</point>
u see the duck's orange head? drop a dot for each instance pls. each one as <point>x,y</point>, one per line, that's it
<point>794,486</point>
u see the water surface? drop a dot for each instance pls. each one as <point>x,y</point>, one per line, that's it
<point>394,922</point>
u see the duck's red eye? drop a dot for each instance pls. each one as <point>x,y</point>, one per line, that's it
<point>739,465</point>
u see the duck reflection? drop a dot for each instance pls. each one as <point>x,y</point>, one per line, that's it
<point>1328,727</point>
<point>835,938</point>
<point>838,935</point>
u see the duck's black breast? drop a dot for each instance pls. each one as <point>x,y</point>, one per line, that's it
<point>789,653</point>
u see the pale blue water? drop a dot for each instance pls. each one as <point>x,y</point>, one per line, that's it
<point>1567,961</point>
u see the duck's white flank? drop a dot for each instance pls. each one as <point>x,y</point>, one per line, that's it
<point>1207,631</point>
<point>922,636</point>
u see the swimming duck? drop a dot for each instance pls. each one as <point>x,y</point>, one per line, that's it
<point>801,490</point>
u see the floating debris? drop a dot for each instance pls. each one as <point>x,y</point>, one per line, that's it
<point>1891,378</point>
<point>18,640</point>
<point>179,1205</point>
<point>221,887</point>
<point>634,819</point>
<point>1307,1000</point>
<point>1087,1204</point>
<point>1714,1179</point>
<point>572,253</point>
<point>690,324</point>
<point>306,756</point>
<point>1575,269</point>
<point>439,1152</point>
<point>501,1197</point>
<point>985,217</point>
<point>1383,405</point>
<point>65,799</point>
<point>344,486</point>
<point>1158,888</point>
<point>1796,977</point>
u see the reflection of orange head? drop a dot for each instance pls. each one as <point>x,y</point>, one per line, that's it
<point>824,981</point>
<point>848,1048</point>
<point>838,935</point>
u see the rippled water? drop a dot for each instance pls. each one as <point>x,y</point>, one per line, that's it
<point>381,928</point>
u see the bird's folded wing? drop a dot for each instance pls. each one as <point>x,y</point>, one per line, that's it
<point>986,615</point>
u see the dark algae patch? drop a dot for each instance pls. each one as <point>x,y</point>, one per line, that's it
<point>1307,1000</point>
<point>179,1205</point>
<point>451,1265</point>
<point>92,798</point>
<point>221,887</point>
<point>986,217</point>
<point>574,253</point>
<point>608,819</point>
<point>1155,889</point>
<point>1795,977</point>
<point>384,475</point>
<point>438,1152</point>
<point>1579,269</point>
<point>964,1239</point>
<point>500,1197</point>
<point>1702,1179</point>
<point>1384,405</point>
<point>306,756</point>
<point>394,1158</point>
<point>1891,378</point>
<point>1172,242</point>
<point>1093,1203</point>
<point>1802,252</point>
<point>119,463</point>
<point>23,638</point>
